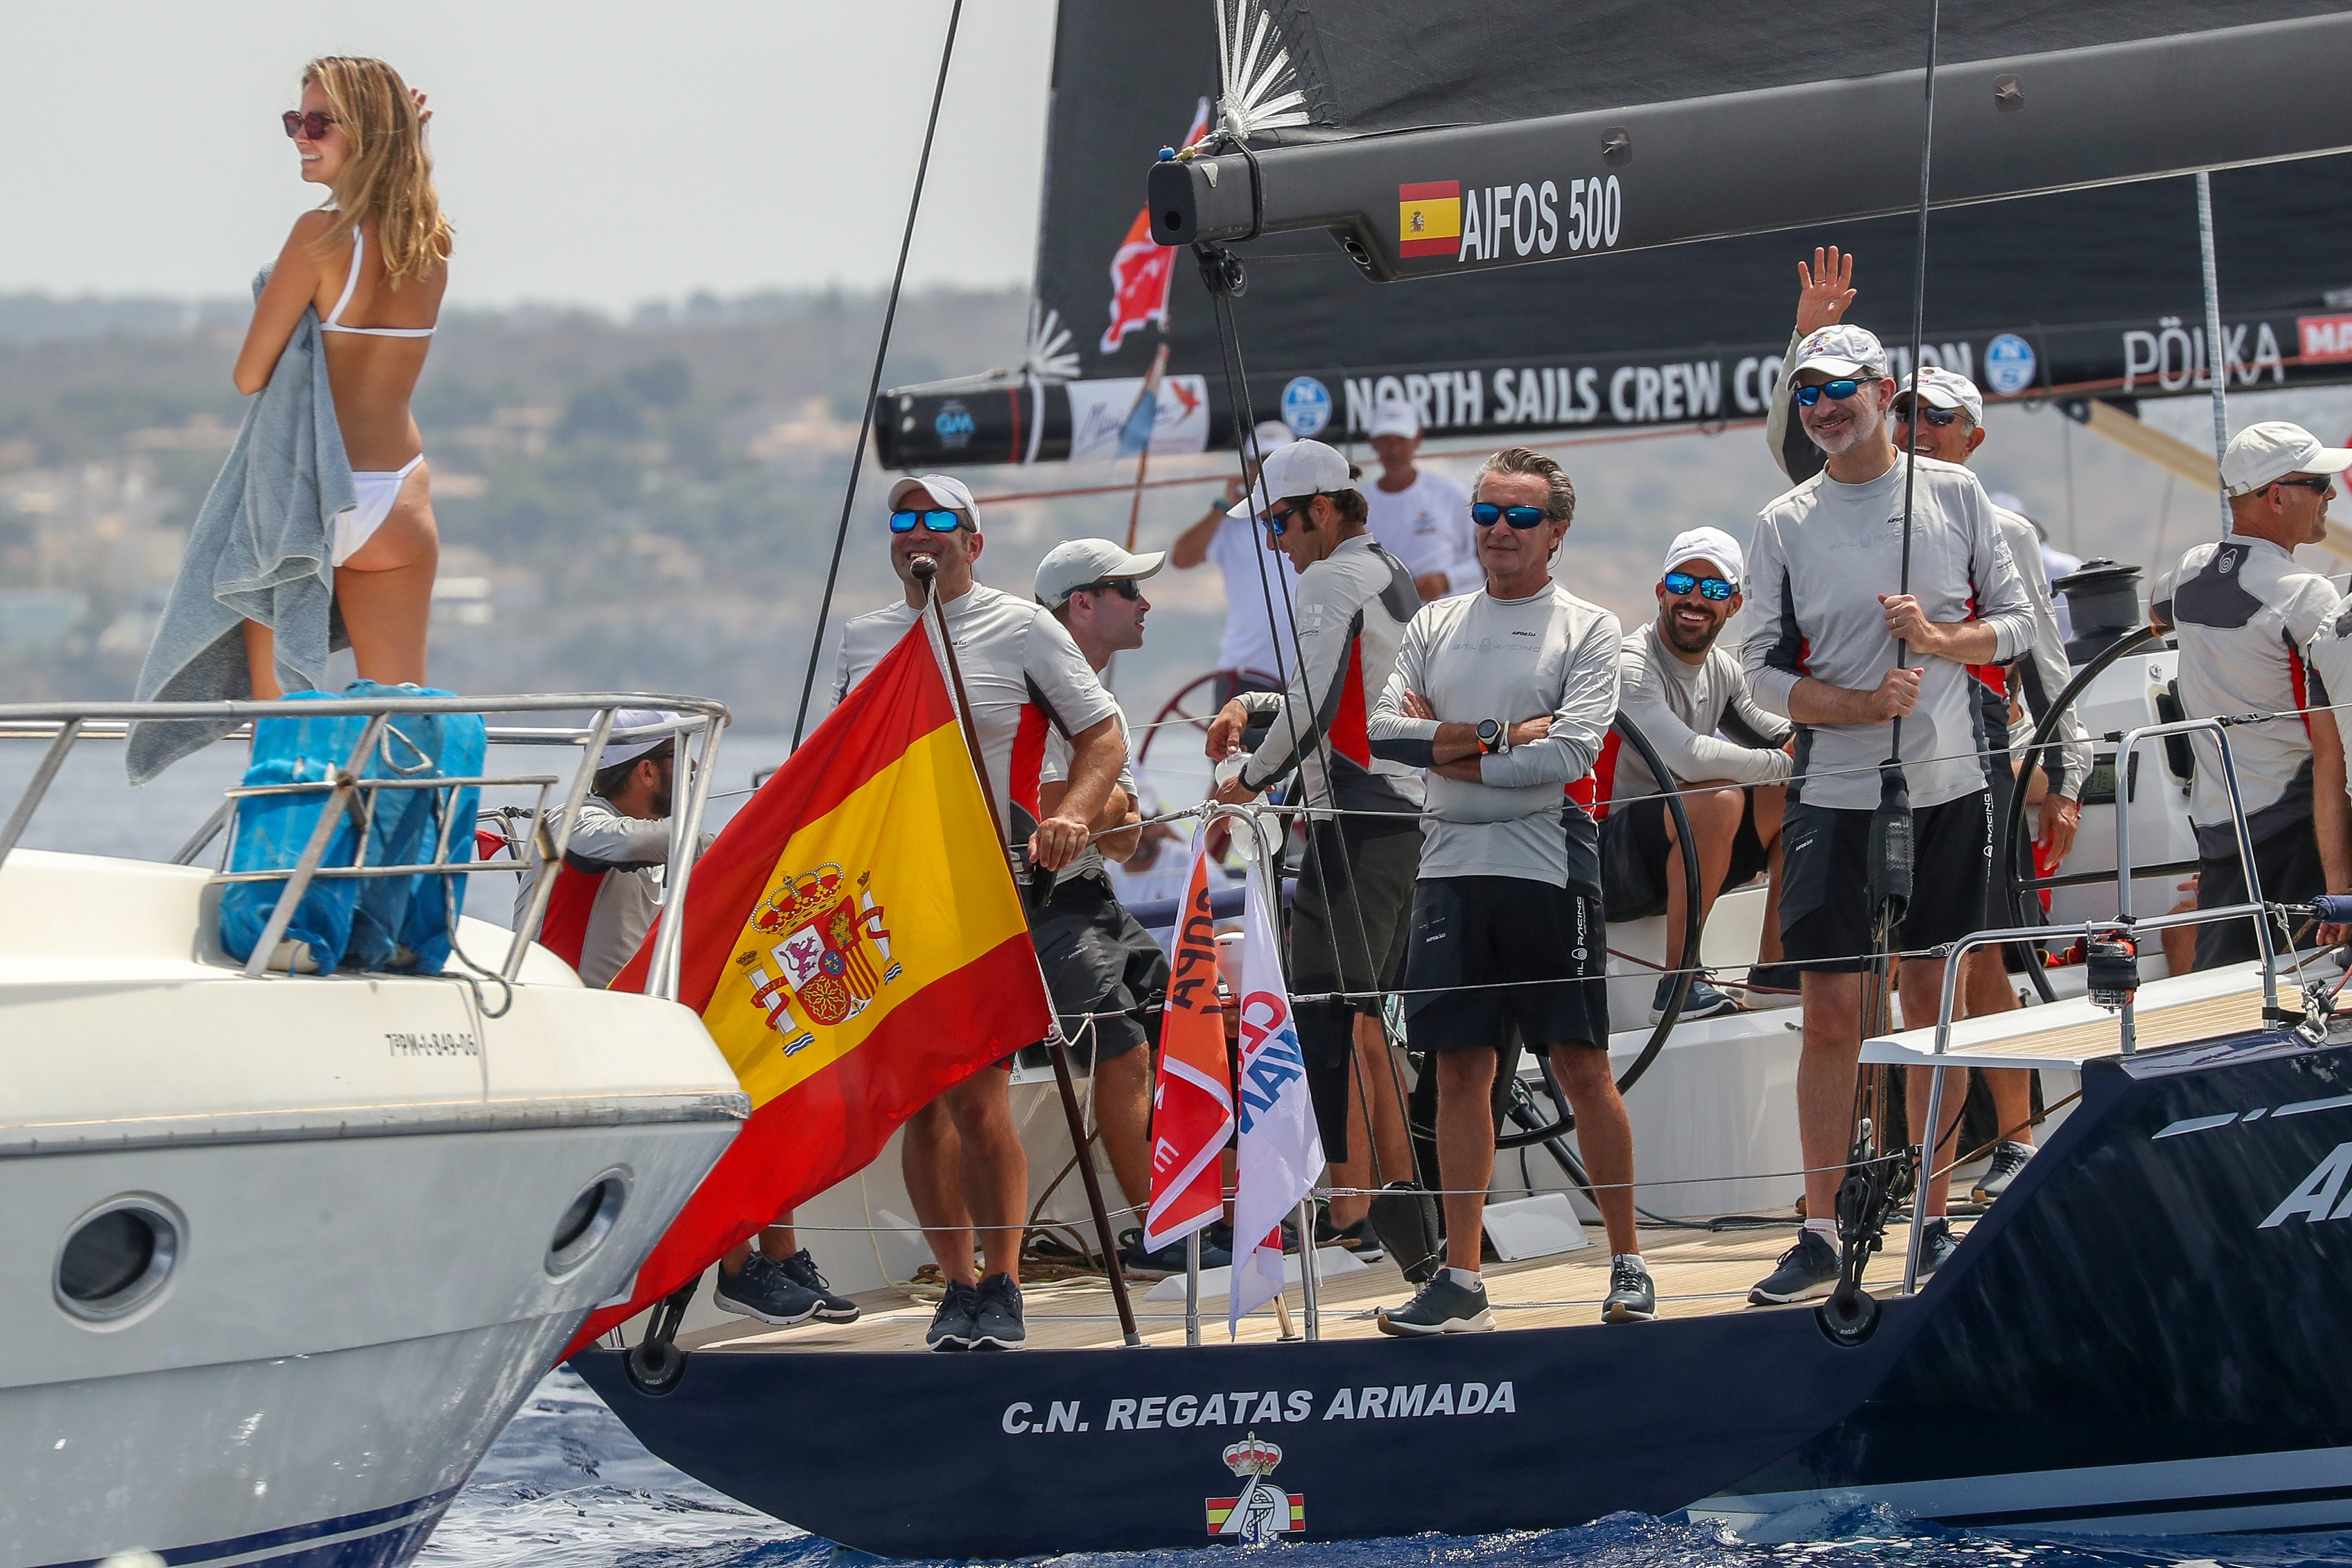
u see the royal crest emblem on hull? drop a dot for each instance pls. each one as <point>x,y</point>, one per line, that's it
<point>832,953</point>
<point>1263,1511</point>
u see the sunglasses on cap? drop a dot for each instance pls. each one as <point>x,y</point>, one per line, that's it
<point>937,519</point>
<point>1941,418</point>
<point>1486,514</point>
<point>312,125</point>
<point>1837,391</point>
<point>2317,484</point>
<point>1715,588</point>
<point>1125,587</point>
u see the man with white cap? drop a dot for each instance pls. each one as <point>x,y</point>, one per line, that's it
<point>1254,654</point>
<point>1021,675</point>
<point>1421,517</point>
<point>1355,885</point>
<point>1109,978</point>
<point>2245,613</point>
<point>1826,578</point>
<point>1727,756</point>
<point>606,898</point>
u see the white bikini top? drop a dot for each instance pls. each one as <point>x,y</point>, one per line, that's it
<point>334,321</point>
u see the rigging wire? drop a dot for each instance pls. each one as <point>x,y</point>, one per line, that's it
<point>2217,353</point>
<point>874,382</point>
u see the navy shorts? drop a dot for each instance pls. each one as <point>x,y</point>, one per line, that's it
<point>1098,961</point>
<point>1825,913</point>
<point>1492,956</point>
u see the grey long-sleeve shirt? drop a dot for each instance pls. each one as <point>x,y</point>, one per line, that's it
<point>630,854</point>
<point>1472,657</point>
<point>1679,707</point>
<point>1824,555</point>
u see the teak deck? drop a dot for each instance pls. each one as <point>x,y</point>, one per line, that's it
<point>1696,1274</point>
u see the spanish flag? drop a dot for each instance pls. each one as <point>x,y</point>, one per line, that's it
<point>855,945</point>
<point>1429,218</point>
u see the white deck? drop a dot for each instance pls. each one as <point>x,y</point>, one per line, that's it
<point>2069,1032</point>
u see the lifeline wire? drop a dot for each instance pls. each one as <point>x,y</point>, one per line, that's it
<point>874,383</point>
<point>2217,354</point>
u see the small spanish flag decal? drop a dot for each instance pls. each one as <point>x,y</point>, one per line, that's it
<point>1429,218</point>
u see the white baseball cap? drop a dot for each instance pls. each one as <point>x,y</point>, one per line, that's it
<point>2265,453</point>
<point>1080,563</point>
<point>1273,433</point>
<point>1940,388</point>
<point>1395,416</point>
<point>950,494</point>
<point>1709,545</point>
<point>1841,350</point>
<point>1301,468</point>
<point>617,752</point>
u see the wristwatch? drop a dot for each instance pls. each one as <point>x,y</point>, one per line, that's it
<point>1494,737</point>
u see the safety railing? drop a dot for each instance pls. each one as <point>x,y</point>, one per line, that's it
<point>349,794</point>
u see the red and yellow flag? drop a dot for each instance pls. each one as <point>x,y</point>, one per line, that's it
<point>855,945</point>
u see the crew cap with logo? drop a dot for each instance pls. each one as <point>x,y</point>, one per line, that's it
<point>2265,453</point>
<point>950,494</point>
<point>1301,468</point>
<point>1273,433</point>
<point>1081,564</point>
<point>1841,350</point>
<point>1710,545</point>
<point>617,752</point>
<point>1939,388</point>
<point>1394,416</point>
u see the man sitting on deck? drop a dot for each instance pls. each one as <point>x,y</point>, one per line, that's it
<point>962,1155</point>
<point>1680,689</point>
<point>1504,697</point>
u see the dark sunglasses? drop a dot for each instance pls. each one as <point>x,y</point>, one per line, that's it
<point>1277,519</point>
<point>312,125</point>
<point>1485,514</point>
<point>1714,588</point>
<point>2318,485</point>
<point>1838,390</point>
<point>1941,418</point>
<point>1125,587</point>
<point>938,521</point>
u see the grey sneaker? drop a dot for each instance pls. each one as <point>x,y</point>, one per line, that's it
<point>1631,1297</point>
<point>1703,1002</point>
<point>996,1315</point>
<point>1807,1270</point>
<point>951,1325</point>
<point>1936,1244</point>
<point>2008,1159</point>
<point>761,1289</point>
<point>1440,1307</point>
<point>801,1270</point>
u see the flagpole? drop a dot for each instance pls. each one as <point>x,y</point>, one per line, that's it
<point>926,570</point>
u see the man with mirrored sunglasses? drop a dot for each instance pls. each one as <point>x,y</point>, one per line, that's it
<point>962,1156</point>
<point>1826,584</point>
<point>1725,755</point>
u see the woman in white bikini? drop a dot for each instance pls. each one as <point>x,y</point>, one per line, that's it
<point>379,255</point>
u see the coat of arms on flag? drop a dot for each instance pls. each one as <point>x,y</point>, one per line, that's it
<point>831,943</point>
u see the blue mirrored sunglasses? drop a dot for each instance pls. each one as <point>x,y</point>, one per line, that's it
<point>1485,514</point>
<point>1708,587</point>
<point>938,521</point>
<point>1277,519</point>
<point>1838,390</point>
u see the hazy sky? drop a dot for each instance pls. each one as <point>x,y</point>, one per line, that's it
<point>591,152</point>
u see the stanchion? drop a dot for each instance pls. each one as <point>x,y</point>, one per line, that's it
<point>1193,1290</point>
<point>1307,1271</point>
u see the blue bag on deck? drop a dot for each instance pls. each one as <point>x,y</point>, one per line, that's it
<point>372,923</point>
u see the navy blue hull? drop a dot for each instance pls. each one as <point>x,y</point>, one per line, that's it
<point>2123,1315</point>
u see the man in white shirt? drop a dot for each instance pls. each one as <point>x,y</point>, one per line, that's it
<point>2245,612</point>
<point>1421,517</point>
<point>1254,654</point>
<point>1021,675</point>
<point>1503,697</point>
<point>1728,756</point>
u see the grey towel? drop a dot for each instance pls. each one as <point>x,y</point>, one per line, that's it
<point>261,549</point>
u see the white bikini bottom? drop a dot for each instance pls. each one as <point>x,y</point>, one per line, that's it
<point>378,489</point>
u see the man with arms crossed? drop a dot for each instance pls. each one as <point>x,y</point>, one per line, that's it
<point>1355,885</point>
<point>2244,612</point>
<point>1680,689</point>
<point>1825,577</point>
<point>1504,697</point>
<point>962,1155</point>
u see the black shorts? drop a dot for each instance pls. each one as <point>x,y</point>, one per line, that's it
<point>1368,864</point>
<point>1638,865</point>
<point>2288,863</point>
<point>1098,961</point>
<point>1494,955</point>
<point>1825,912</point>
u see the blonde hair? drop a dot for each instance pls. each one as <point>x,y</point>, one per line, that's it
<point>387,181</point>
